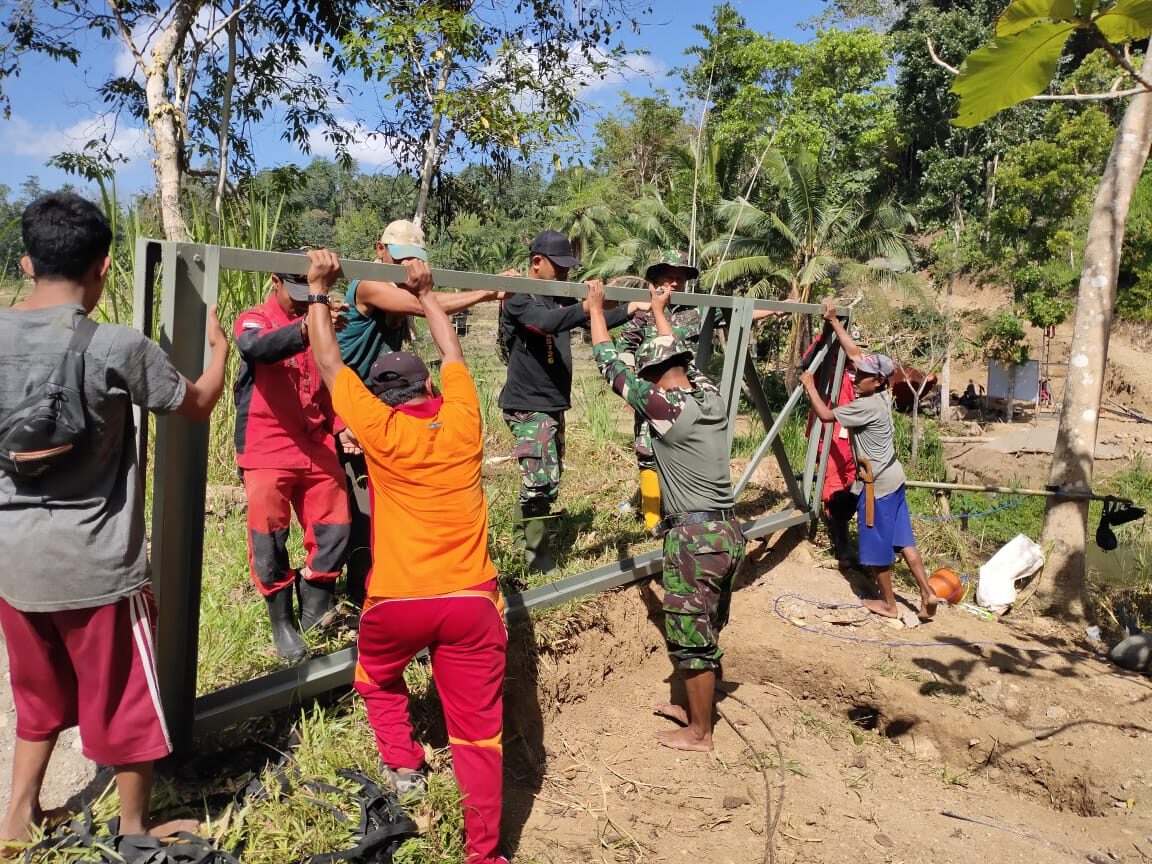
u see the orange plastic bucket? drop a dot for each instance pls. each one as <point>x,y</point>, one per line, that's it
<point>947,586</point>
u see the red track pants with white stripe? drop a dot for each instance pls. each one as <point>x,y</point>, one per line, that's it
<point>467,640</point>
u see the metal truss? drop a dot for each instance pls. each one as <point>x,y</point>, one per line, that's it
<point>189,283</point>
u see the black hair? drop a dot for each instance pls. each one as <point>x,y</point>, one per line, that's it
<point>64,235</point>
<point>400,395</point>
<point>656,371</point>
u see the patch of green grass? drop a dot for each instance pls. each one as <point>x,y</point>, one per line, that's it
<point>951,777</point>
<point>858,780</point>
<point>889,668</point>
<point>772,760</point>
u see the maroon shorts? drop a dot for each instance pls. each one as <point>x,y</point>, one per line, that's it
<point>104,653</point>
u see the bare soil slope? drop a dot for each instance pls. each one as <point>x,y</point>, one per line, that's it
<point>878,739</point>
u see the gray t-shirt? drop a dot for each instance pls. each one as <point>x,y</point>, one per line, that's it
<point>689,434</point>
<point>692,455</point>
<point>868,420</point>
<point>74,538</point>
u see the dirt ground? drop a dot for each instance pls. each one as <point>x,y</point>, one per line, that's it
<point>1014,724</point>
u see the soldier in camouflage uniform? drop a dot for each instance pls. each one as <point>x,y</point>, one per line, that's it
<point>703,543</point>
<point>671,272</point>
<point>538,390</point>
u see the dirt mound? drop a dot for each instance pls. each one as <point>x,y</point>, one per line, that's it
<point>881,731</point>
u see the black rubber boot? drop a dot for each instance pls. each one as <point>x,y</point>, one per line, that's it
<point>518,527</point>
<point>317,602</point>
<point>285,636</point>
<point>537,551</point>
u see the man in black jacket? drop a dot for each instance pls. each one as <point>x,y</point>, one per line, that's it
<point>537,332</point>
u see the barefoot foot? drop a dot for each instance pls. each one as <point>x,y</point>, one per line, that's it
<point>879,607</point>
<point>685,739</point>
<point>671,712</point>
<point>928,607</point>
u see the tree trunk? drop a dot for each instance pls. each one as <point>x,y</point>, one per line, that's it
<point>915,432</point>
<point>225,120</point>
<point>1061,585</point>
<point>432,144</point>
<point>164,125</point>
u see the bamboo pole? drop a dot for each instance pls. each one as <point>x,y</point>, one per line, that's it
<point>1012,490</point>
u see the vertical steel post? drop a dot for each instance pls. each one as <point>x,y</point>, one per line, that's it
<point>147,259</point>
<point>735,356</point>
<point>817,496</point>
<point>178,494</point>
<point>707,338</point>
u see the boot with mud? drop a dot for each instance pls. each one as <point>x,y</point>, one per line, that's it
<point>537,551</point>
<point>317,600</point>
<point>289,645</point>
<point>838,514</point>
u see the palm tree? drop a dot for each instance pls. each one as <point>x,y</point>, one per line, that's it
<point>814,237</point>
<point>684,219</point>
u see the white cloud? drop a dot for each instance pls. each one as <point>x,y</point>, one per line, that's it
<point>367,147</point>
<point>19,137</point>
<point>627,69</point>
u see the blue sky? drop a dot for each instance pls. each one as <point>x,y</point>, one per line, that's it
<point>54,106</point>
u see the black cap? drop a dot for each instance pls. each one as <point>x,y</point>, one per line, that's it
<point>296,283</point>
<point>555,247</point>
<point>395,369</point>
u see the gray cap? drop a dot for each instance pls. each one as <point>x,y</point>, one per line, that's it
<point>876,364</point>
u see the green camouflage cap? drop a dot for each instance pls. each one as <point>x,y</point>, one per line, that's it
<point>660,349</point>
<point>671,258</point>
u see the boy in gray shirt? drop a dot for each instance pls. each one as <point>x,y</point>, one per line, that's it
<point>884,525</point>
<point>76,603</point>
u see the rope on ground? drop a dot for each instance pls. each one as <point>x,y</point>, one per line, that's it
<point>771,814</point>
<point>946,643</point>
<point>1014,502</point>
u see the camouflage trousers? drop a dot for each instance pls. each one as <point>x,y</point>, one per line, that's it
<point>700,564</point>
<point>539,449</point>
<point>644,456</point>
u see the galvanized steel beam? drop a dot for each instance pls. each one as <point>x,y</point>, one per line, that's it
<point>252,260</point>
<point>179,478</point>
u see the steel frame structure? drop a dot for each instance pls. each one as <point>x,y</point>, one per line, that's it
<point>189,284</point>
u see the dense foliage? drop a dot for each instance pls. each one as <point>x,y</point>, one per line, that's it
<point>821,165</point>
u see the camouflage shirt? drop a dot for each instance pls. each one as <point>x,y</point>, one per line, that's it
<point>686,325</point>
<point>689,434</point>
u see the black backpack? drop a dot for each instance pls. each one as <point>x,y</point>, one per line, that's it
<point>45,429</point>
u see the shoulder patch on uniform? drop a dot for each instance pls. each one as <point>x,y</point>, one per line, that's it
<point>251,325</point>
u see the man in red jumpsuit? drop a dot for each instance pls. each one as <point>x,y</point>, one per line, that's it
<point>287,460</point>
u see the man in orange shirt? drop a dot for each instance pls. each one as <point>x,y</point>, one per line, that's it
<point>430,524</point>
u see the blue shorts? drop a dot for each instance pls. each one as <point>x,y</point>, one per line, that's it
<point>891,529</point>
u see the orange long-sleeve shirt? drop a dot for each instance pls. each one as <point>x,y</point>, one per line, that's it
<point>429,514</point>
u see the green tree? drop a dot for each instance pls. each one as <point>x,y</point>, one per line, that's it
<point>816,236</point>
<point>637,146</point>
<point>1031,35</point>
<point>828,94</point>
<point>468,78</point>
<point>203,73</point>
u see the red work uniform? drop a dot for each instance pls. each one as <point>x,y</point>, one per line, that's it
<point>841,471</point>
<point>285,451</point>
<point>430,519</point>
